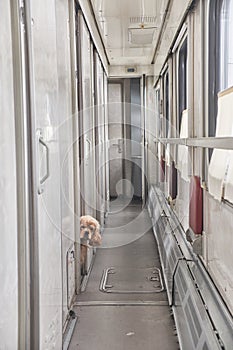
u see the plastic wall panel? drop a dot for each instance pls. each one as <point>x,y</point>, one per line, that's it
<point>218,225</point>
<point>8,205</point>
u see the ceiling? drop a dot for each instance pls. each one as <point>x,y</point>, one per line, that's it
<point>129,29</point>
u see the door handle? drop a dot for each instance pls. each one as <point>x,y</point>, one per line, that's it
<point>87,149</point>
<point>89,145</point>
<point>41,143</point>
<point>119,144</point>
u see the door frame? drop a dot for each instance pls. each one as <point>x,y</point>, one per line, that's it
<point>73,20</point>
<point>27,216</point>
<point>144,142</point>
<point>121,83</point>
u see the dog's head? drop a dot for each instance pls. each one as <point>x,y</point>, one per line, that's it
<point>89,231</point>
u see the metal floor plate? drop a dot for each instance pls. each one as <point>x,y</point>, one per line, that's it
<point>123,328</point>
<point>131,280</point>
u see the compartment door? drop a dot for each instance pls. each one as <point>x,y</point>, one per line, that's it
<point>45,88</point>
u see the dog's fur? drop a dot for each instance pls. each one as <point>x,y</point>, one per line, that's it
<point>89,237</point>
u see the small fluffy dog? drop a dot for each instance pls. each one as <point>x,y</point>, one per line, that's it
<point>89,237</point>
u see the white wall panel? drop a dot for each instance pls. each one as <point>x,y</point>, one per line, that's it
<point>8,204</point>
<point>94,32</point>
<point>218,225</point>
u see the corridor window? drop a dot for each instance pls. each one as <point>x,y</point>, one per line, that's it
<point>220,173</point>
<point>166,103</point>
<point>220,55</point>
<point>157,113</point>
<point>226,44</point>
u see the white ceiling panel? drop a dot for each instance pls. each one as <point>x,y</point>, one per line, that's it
<point>130,28</point>
<point>128,24</point>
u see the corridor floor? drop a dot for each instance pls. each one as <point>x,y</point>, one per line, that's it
<point>133,314</point>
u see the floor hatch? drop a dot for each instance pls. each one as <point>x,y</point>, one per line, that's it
<point>131,280</point>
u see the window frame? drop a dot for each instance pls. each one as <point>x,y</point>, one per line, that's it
<point>166,103</point>
<point>183,43</point>
<point>158,109</point>
<point>214,18</point>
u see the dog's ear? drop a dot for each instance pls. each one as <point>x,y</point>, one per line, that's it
<point>96,238</point>
<point>97,230</point>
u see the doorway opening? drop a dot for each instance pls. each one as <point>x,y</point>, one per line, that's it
<point>125,136</point>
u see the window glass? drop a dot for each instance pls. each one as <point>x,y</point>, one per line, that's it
<point>226,45</point>
<point>220,56</point>
<point>166,107</point>
<point>182,80</point>
<point>157,111</point>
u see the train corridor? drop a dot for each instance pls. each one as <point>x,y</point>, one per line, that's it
<point>131,310</point>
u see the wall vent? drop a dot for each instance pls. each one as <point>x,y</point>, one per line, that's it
<point>141,36</point>
<point>143,19</point>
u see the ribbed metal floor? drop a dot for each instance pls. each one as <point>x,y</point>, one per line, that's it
<point>124,320</point>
